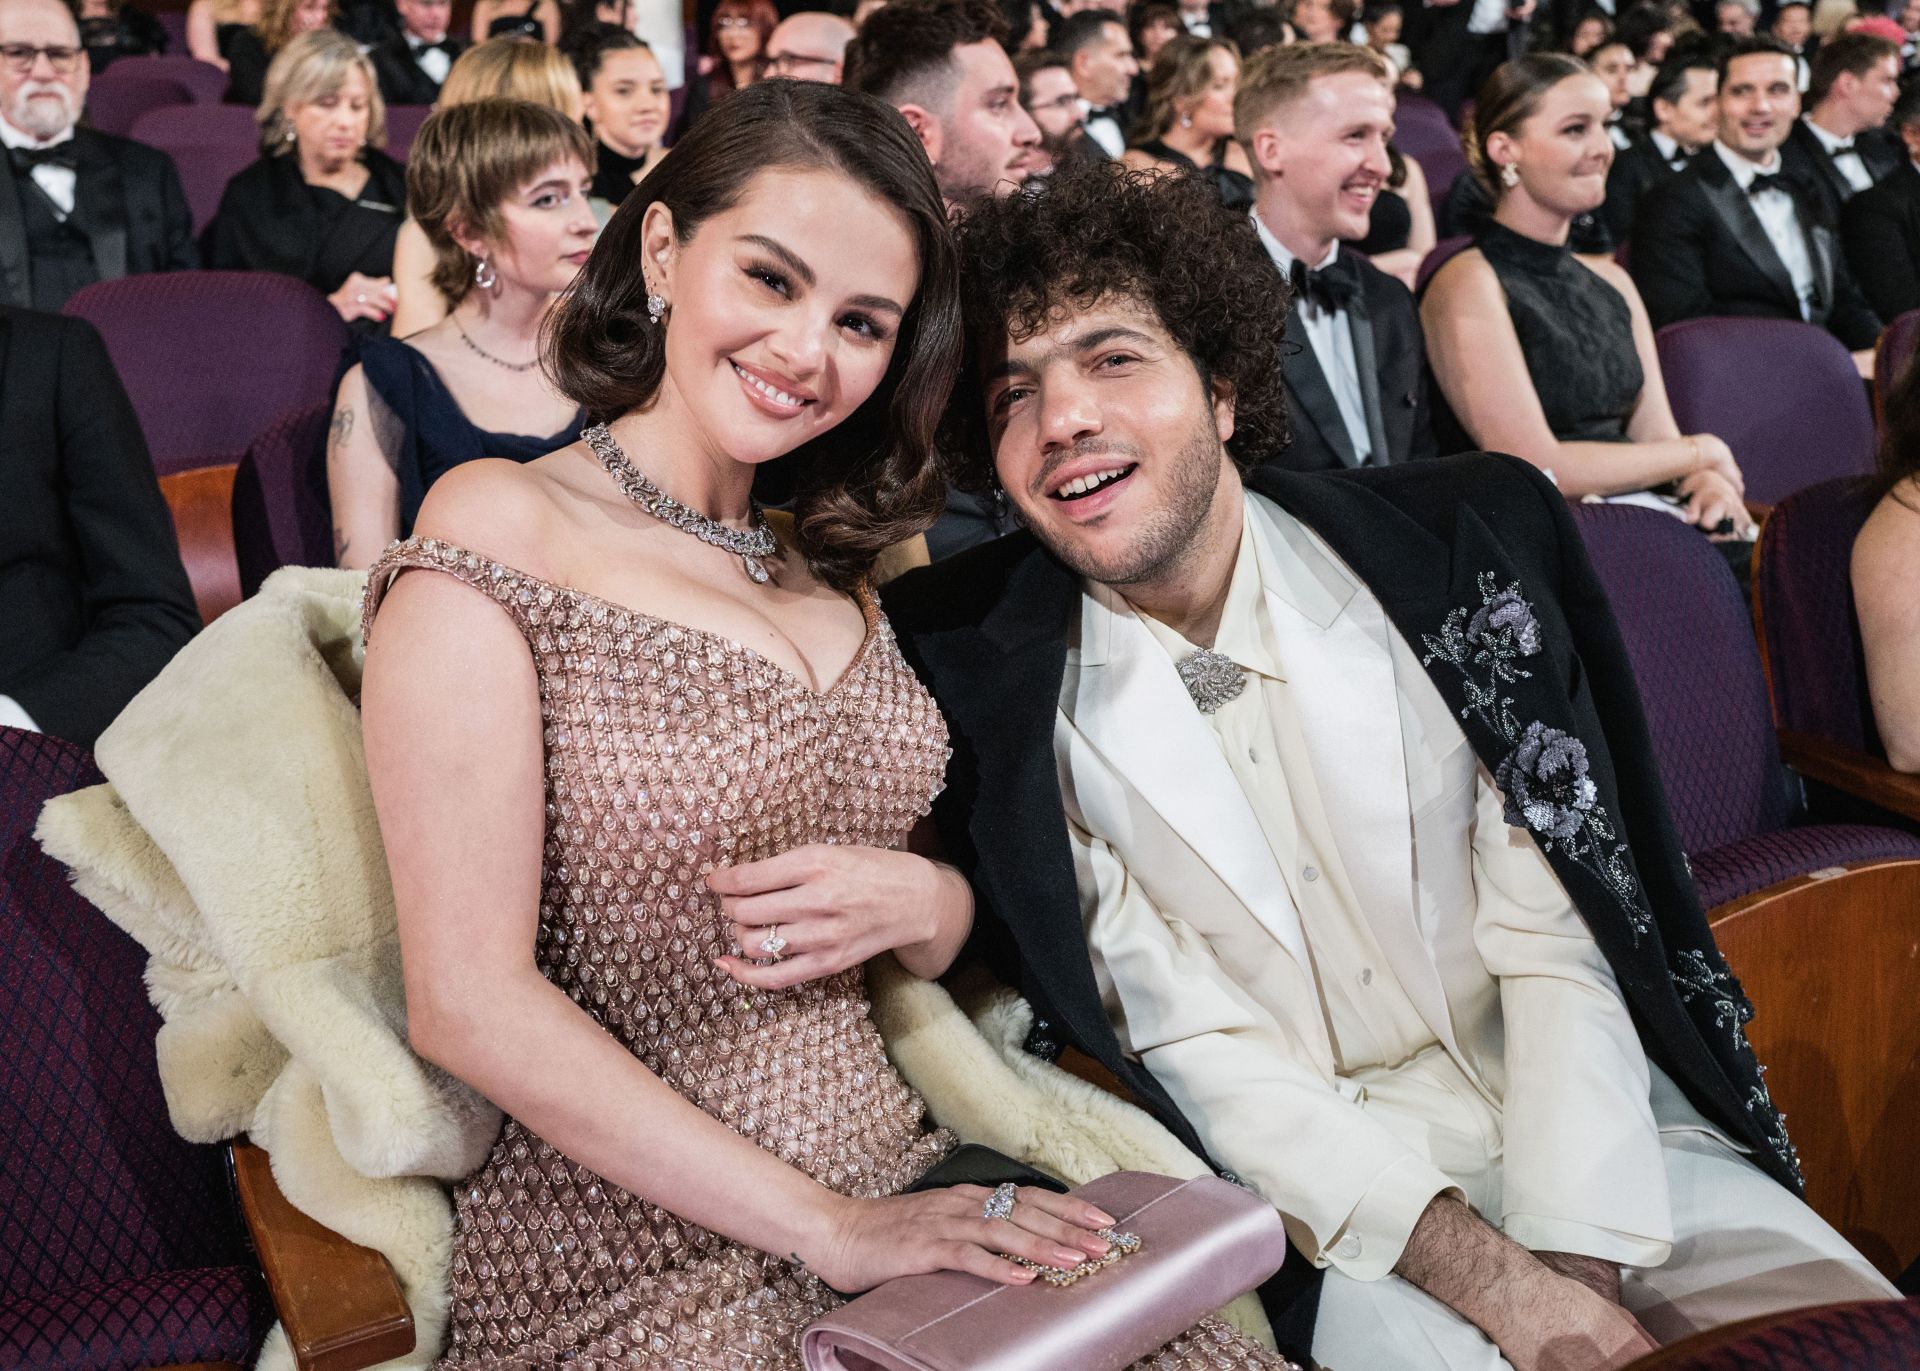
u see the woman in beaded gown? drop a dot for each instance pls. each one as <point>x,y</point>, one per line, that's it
<point>615,740</point>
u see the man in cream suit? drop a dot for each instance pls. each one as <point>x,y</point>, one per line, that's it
<point>1318,809</point>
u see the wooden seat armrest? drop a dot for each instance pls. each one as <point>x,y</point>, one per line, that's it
<point>1862,776</point>
<point>339,1302</point>
<point>1077,1063</point>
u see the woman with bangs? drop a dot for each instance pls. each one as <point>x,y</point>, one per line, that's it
<point>499,189</point>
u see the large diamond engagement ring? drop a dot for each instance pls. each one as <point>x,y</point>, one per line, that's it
<point>999,1204</point>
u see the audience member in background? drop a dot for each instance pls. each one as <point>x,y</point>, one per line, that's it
<point>1400,228</point>
<point>1650,32</point>
<point>1188,123</point>
<point>1315,119</point>
<point>112,29</point>
<point>76,205</point>
<point>1909,16</point>
<point>735,55</point>
<point>1203,18</point>
<point>92,592</point>
<point>1886,579</point>
<point>250,51</point>
<point>1880,228</point>
<point>1732,235</point>
<point>1684,111</point>
<point>626,105</point>
<point>1458,43</point>
<point>1322,21</point>
<point>1151,26</point>
<point>1549,356</point>
<point>810,45</point>
<point>1100,55</point>
<point>211,25</point>
<point>1590,30</point>
<point>538,20</point>
<point>413,64</point>
<point>1793,26</point>
<point>500,189</point>
<point>1612,62</point>
<point>323,203</point>
<point>1736,18</point>
<point>940,63</point>
<point>1836,149</point>
<point>1257,30</point>
<point>1047,94</point>
<point>1029,29</point>
<point>1384,22</point>
<point>1834,17</point>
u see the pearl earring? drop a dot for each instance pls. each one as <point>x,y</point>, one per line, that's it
<point>1186,121</point>
<point>1510,176</point>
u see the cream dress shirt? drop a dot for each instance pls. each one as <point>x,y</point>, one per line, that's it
<point>59,183</point>
<point>1396,1118</point>
<point>1779,216</point>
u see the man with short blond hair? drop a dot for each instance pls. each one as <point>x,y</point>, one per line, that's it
<point>1314,120</point>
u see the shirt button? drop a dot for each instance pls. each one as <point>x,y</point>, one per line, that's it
<point>1366,976</point>
<point>1311,873</point>
<point>1253,755</point>
<point>1347,1248</point>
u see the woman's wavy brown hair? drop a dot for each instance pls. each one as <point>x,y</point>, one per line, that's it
<point>1167,242</point>
<point>873,480</point>
<point>1181,72</point>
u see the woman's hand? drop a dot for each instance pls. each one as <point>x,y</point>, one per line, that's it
<point>866,1242</point>
<point>364,297</point>
<point>836,907</point>
<point>1710,500</point>
<point>1716,456</point>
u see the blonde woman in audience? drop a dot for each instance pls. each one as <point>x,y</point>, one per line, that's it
<point>1550,356</point>
<point>323,203</point>
<point>499,188</point>
<point>210,22</point>
<point>1188,125</point>
<point>1886,581</point>
<point>250,50</point>
<point>501,68</point>
<point>538,20</point>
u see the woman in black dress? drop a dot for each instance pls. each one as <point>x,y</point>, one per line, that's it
<point>249,49</point>
<point>1549,355</point>
<point>626,106</point>
<point>323,203</point>
<point>1188,125</point>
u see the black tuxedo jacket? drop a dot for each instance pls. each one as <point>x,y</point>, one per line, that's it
<point>1387,346</point>
<point>1699,250</point>
<point>988,632</point>
<point>1634,170</point>
<point>1807,161</point>
<point>402,82</point>
<point>92,592</point>
<point>1881,231</point>
<point>126,199</point>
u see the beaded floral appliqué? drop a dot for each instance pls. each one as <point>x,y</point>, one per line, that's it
<point>1697,978</point>
<point>1545,773</point>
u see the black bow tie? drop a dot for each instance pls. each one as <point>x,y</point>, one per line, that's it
<point>1331,287</point>
<point>25,160</point>
<point>1766,180</point>
<point>1104,112</point>
<point>421,48</point>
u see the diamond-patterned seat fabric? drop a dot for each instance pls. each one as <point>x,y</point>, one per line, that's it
<point>1877,1335</point>
<point>1753,863</point>
<point>109,1221</point>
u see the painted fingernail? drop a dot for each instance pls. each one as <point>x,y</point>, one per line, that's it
<point>1062,1257</point>
<point>1096,1245</point>
<point>1101,1217</point>
<point>1025,1274</point>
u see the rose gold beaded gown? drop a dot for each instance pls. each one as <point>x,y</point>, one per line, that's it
<point>670,751</point>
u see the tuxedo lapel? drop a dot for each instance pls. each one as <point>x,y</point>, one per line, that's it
<point>1313,396</point>
<point>1730,203</point>
<point>1366,362</point>
<point>100,206</point>
<point>16,273</point>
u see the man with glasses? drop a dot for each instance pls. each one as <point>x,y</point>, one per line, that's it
<point>1049,96</point>
<point>809,46</point>
<point>77,205</point>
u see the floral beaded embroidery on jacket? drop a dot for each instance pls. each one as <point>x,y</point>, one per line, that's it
<point>1544,775</point>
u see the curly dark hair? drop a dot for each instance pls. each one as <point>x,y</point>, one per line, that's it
<point>1165,241</point>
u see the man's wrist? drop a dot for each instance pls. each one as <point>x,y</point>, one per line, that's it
<point>1598,1275</point>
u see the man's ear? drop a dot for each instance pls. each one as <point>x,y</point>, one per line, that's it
<point>1267,150</point>
<point>926,127</point>
<point>1222,394</point>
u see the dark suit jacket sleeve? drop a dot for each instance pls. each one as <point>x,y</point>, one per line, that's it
<point>181,253</point>
<point>1626,183</point>
<point>1852,320</point>
<point>1671,241</point>
<point>135,596</point>
<point>1871,229</point>
<point>220,241</point>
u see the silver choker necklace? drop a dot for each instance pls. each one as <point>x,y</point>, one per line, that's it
<point>750,545</point>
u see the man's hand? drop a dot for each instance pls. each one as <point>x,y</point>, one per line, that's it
<point>1601,1277</point>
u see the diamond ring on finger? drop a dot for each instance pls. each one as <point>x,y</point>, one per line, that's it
<point>773,944</point>
<point>999,1205</point>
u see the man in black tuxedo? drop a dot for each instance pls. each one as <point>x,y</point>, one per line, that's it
<point>1099,54</point>
<point>1734,235</point>
<point>92,593</point>
<point>1881,227</point>
<point>1319,808</point>
<point>1683,104</point>
<point>77,205</point>
<point>413,64</point>
<point>1837,149</point>
<point>1315,119</point>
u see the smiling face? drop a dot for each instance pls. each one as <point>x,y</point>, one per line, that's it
<point>1109,444</point>
<point>1323,157</point>
<point>330,130</point>
<point>784,310</point>
<point>42,101</point>
<point>1212,113</point>
<point>1793,25</point>
<point>1758,104</point>
<point>1561,150</point>
<point>628,102</point>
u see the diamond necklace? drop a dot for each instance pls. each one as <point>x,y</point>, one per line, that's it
<point>497,361</point>
<point>750,545</point>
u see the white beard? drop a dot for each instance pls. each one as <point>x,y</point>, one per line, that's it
<point>43,119</point>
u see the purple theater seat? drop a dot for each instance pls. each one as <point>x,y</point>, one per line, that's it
<point>1421,131</point>
<point>207,82</point>
<point>1892,353</point>
<point>1784,396</point>
<point>1691,643</point>
<point>1803,593</point>
<point>403,124</point>
<point>115,102</point>
<point>1443,252</point>
<point>120,1246</point>
<point>1876,1335</point>
<point>210,144</point>
<point>175,23</point>
<point>211,358</point>
<point>280,511</point>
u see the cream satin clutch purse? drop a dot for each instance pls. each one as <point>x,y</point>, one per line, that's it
<point>1201,1244</point>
